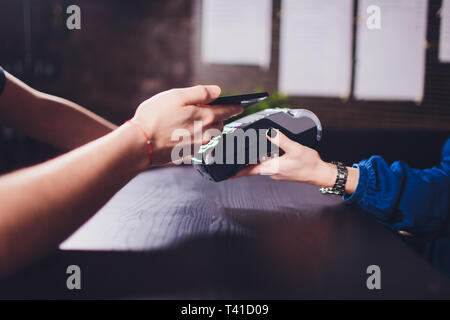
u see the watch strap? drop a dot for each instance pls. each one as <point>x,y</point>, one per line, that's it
<point>341,180</point>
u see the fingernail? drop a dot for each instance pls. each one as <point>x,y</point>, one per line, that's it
<point>272,133</point>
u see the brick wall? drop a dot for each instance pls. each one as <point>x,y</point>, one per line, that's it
<point>125,52</point>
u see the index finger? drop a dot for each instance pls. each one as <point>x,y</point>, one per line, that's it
<point>224,112</point>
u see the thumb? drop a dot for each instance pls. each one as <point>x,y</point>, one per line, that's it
<point>278,138</point>
<point>200,94</point>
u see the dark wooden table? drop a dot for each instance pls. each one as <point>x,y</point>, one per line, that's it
<point>171,234</point>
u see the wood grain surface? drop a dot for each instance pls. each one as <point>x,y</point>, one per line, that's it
<point>160,207</point>
<point>171,234</point>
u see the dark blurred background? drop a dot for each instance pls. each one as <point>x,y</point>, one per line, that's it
<point>128,51</point>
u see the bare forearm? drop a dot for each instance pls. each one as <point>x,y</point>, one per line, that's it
<point>63,123</point>
<point>42,205</point>
<point>50,119</point>
<point>59,122</point>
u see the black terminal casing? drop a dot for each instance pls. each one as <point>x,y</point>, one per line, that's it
<point>299,125</point>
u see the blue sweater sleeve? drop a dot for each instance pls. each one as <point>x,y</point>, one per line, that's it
<point>404,198</point>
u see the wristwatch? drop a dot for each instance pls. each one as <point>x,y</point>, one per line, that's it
<point>341,180</point>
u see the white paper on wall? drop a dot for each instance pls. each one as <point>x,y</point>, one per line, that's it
<point>316,47</point>
<point>444,43</point>
<point>390,62</point>
<point>236,32</point>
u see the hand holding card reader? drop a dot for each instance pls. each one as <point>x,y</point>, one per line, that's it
<point>299,125</point>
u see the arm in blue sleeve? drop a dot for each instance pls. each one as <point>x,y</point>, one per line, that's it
<point>404,198</point>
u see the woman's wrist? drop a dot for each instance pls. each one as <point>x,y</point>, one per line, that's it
<point>352,180</point>
<point>325,175</point>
